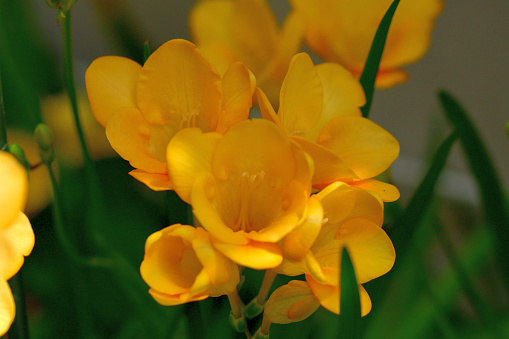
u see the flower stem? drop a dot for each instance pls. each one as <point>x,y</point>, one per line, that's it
<point>19,328</point>
<point>3,124</point>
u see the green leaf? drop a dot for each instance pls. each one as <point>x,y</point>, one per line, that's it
<point>406,226</point>
<point>349,301</point>
<point>485,175</point>
<point>370,71</point>
<point>146,51</point>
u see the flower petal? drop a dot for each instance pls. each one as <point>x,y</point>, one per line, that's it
<point>177,84</point>
<point>301,97</point>
<point>154,181</point>
<point>111,84</point>
<point>176,299</point>
<point>291,303</point>
<point>189,154</point>
<point>209,21</point>
<point>20,234</point>
<point>7,307</point>
<point>329,167</point>
<point>13,181</point>
<point>364,146</point>
<point>129,135</point>
<point>329,296</point>
<point>238,93</point>
<point>266,110</point>
<point>256,255</point>
<point>387,192</point>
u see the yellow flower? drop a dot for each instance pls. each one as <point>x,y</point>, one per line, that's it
<point>142,108</point>
<point>246,30</point>
<point>342,31</point>
<point>352,218</point>
<point>181,266</point>
<point>16,235</point>
<point>248,188</point>
<point>319,109</point>
<point>57,114</point>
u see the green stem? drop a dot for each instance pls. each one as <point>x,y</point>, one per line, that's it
<point>3,124</point>
<point>19,328</point>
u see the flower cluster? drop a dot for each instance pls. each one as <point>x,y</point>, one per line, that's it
<point>284,193</point>
<point>16,235</point>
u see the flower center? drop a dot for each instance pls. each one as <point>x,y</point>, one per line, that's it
<point>248,183</point>
<point>189,119</point>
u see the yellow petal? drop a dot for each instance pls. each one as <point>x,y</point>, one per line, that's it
<point>176,299</point>
<point>290,40</point>
<point>209,22</point>
<point>13,181</point>
<point>189,154</point>
<point>329,167</point>
<point>177,84</point>
<point>254,32</point>
<point>387,192</point>
<point>301,97</point>
<point>329,296</point>
<point>291,303</point>
<point>111,84</point>
<point>364,146</point>
<point>129,135</point>
<point>7,307</point>
<point>154,181</point>
<point>20,234</point>
<point>297,243</point>
<point>11,260</point>
<point>390,78</point>
<point>266,110</point>
<point>270,153</point>
<point>238,92</point>
<point>256,255</point>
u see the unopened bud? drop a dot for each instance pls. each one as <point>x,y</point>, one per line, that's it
<point>260,335</point>
<point>44,139</point>
<point>239,324</point>
<point>18,152</point>
<point>53,3</point>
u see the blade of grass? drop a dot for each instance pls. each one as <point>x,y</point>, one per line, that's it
<point>486,176</point>
<point>405,226</point>
<point>349,301</point>
<point>370,71</point>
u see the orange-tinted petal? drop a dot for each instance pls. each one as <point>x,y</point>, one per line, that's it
<point>13,183</point>
<point>387,192</point>
<point>178,85</point>
<point>329,167</point>
<point>390,78</point>
<point>209,22</point>
<point>111,84</point>
<point>296,244</point>
<point>364,146</point>
<point>189,154</point>
<point>256,255</point>
<point>7,307</point>
<point>329,296</point>
<point>154,181</point>
<point>266,110</point>
<point>176,299</point>
<point>291,303</point>
<point>301,97</point>
<point>238,92</point>
<point>129,135</point>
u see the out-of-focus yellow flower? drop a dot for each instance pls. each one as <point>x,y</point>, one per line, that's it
<point>319,109</point>
<point>181,266</point>
<point>352,219</point>
<point>57,114</point>
<point>342,31</point>
<point>246,30</point>
<point>39,183</point>
<point>142,108</point>
<point>16,234</point>
<point>248,188</point>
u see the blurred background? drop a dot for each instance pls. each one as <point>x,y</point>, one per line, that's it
<point>468,57</point>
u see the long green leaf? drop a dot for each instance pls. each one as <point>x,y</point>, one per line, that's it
<point>370,71</point>
<point>405,226</point>
<point>349,301</point>
<point>485,175</point>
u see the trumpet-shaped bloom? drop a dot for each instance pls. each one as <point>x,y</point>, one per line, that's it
<point>248,188</point>
<point>342,31</point>
<point>246,30</point>
<point>320,110</point>
<point>142,108</point>
<point>16,235</point>
<point>181,266</point>
<point>352,219</point>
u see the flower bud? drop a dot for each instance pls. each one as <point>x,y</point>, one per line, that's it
<point>44,139</point>
<point>18,152</point>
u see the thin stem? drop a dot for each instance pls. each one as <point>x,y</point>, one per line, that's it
<point>268,280</point>
<point>19,328</point>
<point>235,303</point>
<point>3,124</point>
